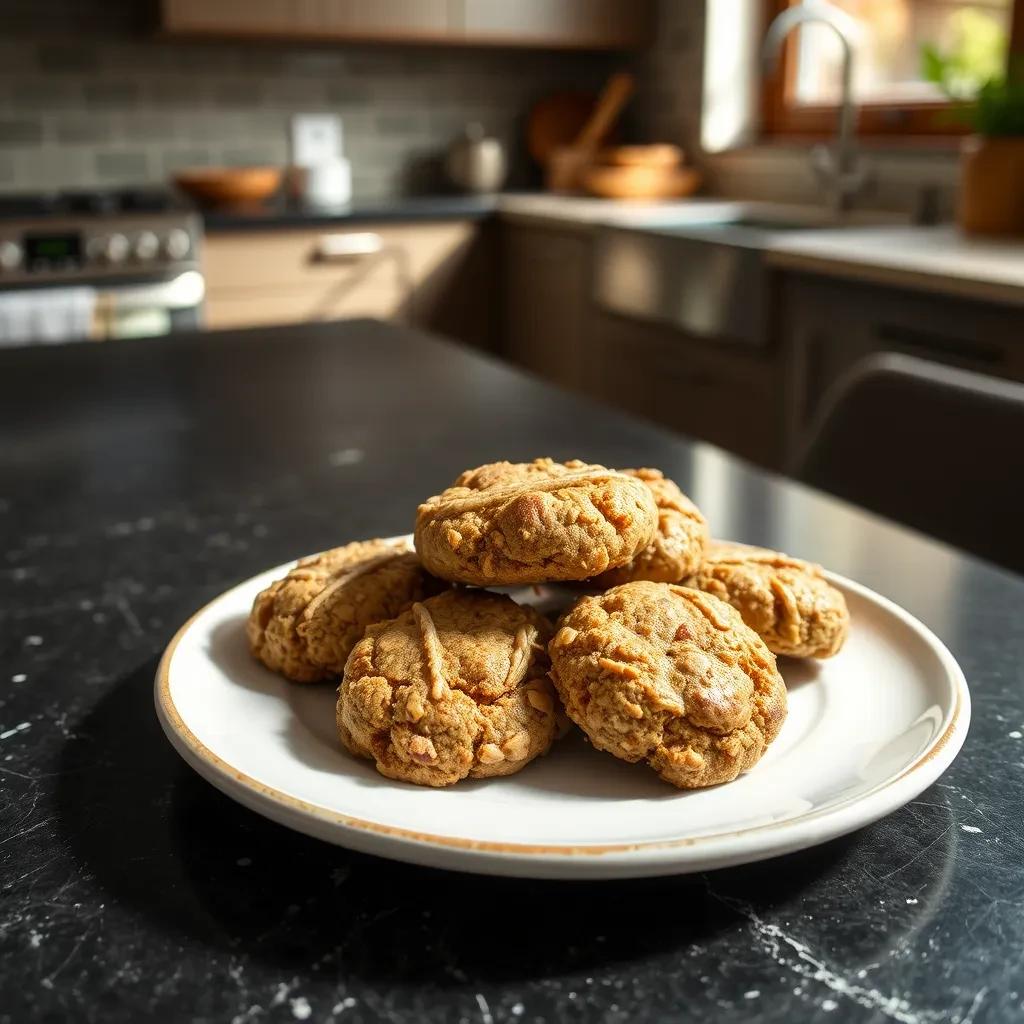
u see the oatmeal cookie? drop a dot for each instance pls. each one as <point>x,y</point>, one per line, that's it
<point>678,547</point>
<point>536,522</point>
<point>786,601</point>
<point>672,676</point>
<point>305,624</point>
<point>457,686</point>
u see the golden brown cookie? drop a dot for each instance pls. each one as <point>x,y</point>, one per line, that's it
<point>305,624</point>
<point>535,522</point>
<point>678,547</point>
<point>786,601</point>
<point>457,686</point>
<point>668,675</point>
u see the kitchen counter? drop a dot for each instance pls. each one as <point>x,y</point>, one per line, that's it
<point>588,212</point>
<point>543,206</point>
<point>934,258</point>
<point>871,246</point>
<point>295,215</point>
<point>140,479</point>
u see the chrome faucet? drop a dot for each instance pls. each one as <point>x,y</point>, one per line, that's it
<point>839,169</point>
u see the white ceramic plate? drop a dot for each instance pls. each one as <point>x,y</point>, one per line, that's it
<point>867,731</point>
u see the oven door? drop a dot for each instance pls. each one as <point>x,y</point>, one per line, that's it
<point>84,312</point>
<point>150,310</point>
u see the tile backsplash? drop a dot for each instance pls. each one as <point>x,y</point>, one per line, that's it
<point>91,95</point>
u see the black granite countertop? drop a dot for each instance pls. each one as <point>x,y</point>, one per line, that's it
<point>139,479</point>
<point>281,214</point>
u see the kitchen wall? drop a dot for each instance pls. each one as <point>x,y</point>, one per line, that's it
<point>667,106</point>
<point>89,95</point>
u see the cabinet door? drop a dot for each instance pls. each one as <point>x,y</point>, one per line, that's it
<point>829,324</point>
<point>583,23</point>
<point>242,17</point>
<point>546,302</point>
<point>726,396</point>
<point>586,24</point>
<point>383,19</point>
<point>331,19</point>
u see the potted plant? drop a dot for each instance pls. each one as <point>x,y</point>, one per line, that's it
<point>990,91</point>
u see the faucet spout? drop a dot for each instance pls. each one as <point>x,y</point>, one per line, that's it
<point>841,166</point>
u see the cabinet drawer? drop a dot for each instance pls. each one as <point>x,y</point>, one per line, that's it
<point>435,275</point>
<point>261,259</point>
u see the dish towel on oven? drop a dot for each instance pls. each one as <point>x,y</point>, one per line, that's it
<point>45,316</point>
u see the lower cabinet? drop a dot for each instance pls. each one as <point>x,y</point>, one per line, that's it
<point>720,393</point>
<point>432,275</point>
<point>723,395</point>
<point>828,325</point>
<point>546,301</point>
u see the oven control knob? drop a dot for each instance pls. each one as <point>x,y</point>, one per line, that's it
<point>10,255</point>
<point>116,248</point>
<point>95,247</point>
<point>177,244</point>
<point>146,247</point>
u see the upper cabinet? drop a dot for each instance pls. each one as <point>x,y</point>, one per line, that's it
<point>407,20</point>
<point>587,24</point>
<point>581,24</point>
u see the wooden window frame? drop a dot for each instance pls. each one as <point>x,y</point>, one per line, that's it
<point>921,120</point>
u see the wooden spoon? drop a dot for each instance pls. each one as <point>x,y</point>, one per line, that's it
<point>566,164</point>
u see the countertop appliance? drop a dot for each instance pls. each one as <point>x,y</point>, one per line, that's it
<point>131,254</point>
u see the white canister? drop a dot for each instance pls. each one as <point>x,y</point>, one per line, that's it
<point>327,183</point>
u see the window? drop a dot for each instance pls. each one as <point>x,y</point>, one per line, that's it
<point>889,85</point>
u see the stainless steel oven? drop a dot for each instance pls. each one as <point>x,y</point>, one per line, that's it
<point>98,266</point>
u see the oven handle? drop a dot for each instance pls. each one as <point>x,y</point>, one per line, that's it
<point>182,292</point>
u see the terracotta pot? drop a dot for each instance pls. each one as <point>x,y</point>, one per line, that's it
<point>992,185</point>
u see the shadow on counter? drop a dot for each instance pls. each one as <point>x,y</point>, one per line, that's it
<point>171,848</point>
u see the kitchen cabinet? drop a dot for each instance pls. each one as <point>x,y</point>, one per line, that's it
<point>717,393</point>
<point>724,394</point>
<point>830,324</point>
<point>582,24</point>
<point>434,275</point>
<point>596,24</point>
<point>546,301</point>
<point>407,20</point>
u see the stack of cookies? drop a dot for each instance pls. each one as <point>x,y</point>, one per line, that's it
<point>665,653</point>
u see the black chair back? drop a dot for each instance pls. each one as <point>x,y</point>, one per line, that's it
<point>938,448</point>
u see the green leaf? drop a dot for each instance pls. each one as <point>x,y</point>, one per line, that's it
<point>933,65</point>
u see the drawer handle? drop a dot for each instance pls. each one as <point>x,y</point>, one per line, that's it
<point>347,245</point>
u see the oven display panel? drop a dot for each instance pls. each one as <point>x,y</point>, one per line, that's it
<point>53,252</point>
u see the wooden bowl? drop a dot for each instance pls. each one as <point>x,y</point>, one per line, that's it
<point>229,186</point>
<point>661,154</point>
<point>611,182</point>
